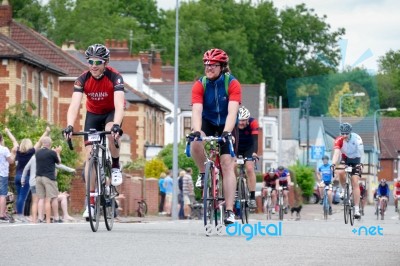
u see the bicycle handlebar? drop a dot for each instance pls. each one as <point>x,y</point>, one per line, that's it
<point>86,133</point>
<point>208,139</point>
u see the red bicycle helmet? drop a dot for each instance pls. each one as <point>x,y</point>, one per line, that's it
<point>215,55</point>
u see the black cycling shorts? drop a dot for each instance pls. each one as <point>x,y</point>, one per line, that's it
<point>213,130</point>
<point>246,153</point>
<point>97,121</point>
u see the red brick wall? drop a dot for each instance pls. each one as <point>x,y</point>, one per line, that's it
<point>131,189</point>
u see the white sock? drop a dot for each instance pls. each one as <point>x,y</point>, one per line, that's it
<point>357,208</point>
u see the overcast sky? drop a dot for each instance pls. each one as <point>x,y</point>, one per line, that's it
<point>372,26</point>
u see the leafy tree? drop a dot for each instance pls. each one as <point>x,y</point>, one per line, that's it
<point>23,124</point>
<point>388,80</point>
<point>32,14</point>
<point>154,168</point>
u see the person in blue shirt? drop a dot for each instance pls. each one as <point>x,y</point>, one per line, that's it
<point>169,187</point>
<point>325,179</point>
<point>382,192</point>
<point>162,193</point>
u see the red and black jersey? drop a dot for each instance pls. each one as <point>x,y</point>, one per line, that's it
<point>100,92</point>
<point>270,181</point>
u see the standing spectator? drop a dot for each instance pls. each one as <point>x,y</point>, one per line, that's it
<point>25,151</point>
<point>187,191</point>
<point>181,178</point>
<point>169,187</point>
<point>162,193</point>
<point>46,184</point>
<point>189,173</point>
<point>6,158</point>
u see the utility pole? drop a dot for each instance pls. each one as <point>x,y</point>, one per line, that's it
<point>307,105</point>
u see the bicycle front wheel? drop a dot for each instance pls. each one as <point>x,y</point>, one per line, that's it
<point>325,206</point>
<point>93,177</point>
<point>346,205</point>
<point>208,208</point>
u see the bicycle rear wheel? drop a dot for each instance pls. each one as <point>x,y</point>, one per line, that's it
<point>243,200</point>
<point>351,210</point>
<point>377,210</point>
<point>325,206</point>
<point>93,176</point>
<point>109,208</point>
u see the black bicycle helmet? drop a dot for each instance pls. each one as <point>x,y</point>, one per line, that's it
<point>99,51</point>
<point>281,168</point>
<point>346,128</point>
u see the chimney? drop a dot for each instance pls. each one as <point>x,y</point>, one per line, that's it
<point>5,14</point>
<point>71,45</point>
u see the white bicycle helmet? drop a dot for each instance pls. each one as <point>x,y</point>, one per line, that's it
<point>116,177</point>
<point>244,113</point>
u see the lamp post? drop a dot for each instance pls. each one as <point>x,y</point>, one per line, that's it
<point>376,136</point>
<point>357,94</point>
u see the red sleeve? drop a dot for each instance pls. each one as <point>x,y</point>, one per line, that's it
<point>338,143</point>
<point>197,92</point>
<point>235,91</point>
<point>254,127</point>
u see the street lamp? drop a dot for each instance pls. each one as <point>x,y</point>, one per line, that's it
<point>376,151</point>
<point>357,94</point>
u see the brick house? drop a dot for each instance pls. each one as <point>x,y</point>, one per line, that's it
<point>389,154</point>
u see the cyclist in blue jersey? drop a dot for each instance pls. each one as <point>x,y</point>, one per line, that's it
<point>325,179</point>
<point>383,191</point>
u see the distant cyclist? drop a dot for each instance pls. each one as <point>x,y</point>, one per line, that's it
<point>382,192</point>
<point>396,194</point>
<point>348,150</point>
<point>248,147</point>
<point>271,180</point>
<point>285,182</point>
<point>325,179</point>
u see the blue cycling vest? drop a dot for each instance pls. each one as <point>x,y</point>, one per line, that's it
<point>215,104</point>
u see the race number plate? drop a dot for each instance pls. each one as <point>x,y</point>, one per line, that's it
<point>94,137</point>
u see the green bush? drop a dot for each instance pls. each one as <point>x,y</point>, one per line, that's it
<point>304,177</point>
<point>137,164</point>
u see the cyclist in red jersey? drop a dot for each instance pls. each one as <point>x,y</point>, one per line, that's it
<point>271,180</point>
<point>350,146</point>
<point>396,194</point>
<point>105,102</point>
<point>214,112</point>
<point>248,147</point>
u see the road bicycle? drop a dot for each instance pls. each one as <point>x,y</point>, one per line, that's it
<point>99,173</point>
<point>348,199</point>
<point>267,202</point>
<point>280,202</point>
<point>243,189</point>
<point>381,207</point>
<point>213,197</point>
<point>325,201</point>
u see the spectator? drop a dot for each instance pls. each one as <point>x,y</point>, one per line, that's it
<point>180,194</point>
<point>25,150</point>
<point>37,205</point>
<point>168,185</point>
<point>162,193</point>
<point>6,158</point>
<point>188,192</point>
<point>189,173</point>
<point>46,184</point>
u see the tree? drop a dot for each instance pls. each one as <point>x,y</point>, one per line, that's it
<point>32,14</point>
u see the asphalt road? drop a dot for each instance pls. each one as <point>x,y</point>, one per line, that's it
<point>161,241</point>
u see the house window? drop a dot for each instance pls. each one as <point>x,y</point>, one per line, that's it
<point>268,129</point>
<point>187,123</point>
<point>268,143</point>
<point>267,165</point>
<point>35,93</point>
<point>50,102</point>
<point>24,87</point>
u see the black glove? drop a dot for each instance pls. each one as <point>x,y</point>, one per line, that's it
<point>68,130</point>
<point>194,135</point>
<point>117,129</point>
<point>226,135</point>
<point>333,167</point>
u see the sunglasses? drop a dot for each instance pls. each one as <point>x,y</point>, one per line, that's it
<point>95,62</point>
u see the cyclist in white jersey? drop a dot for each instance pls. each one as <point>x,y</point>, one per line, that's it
<point>350,146</point>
